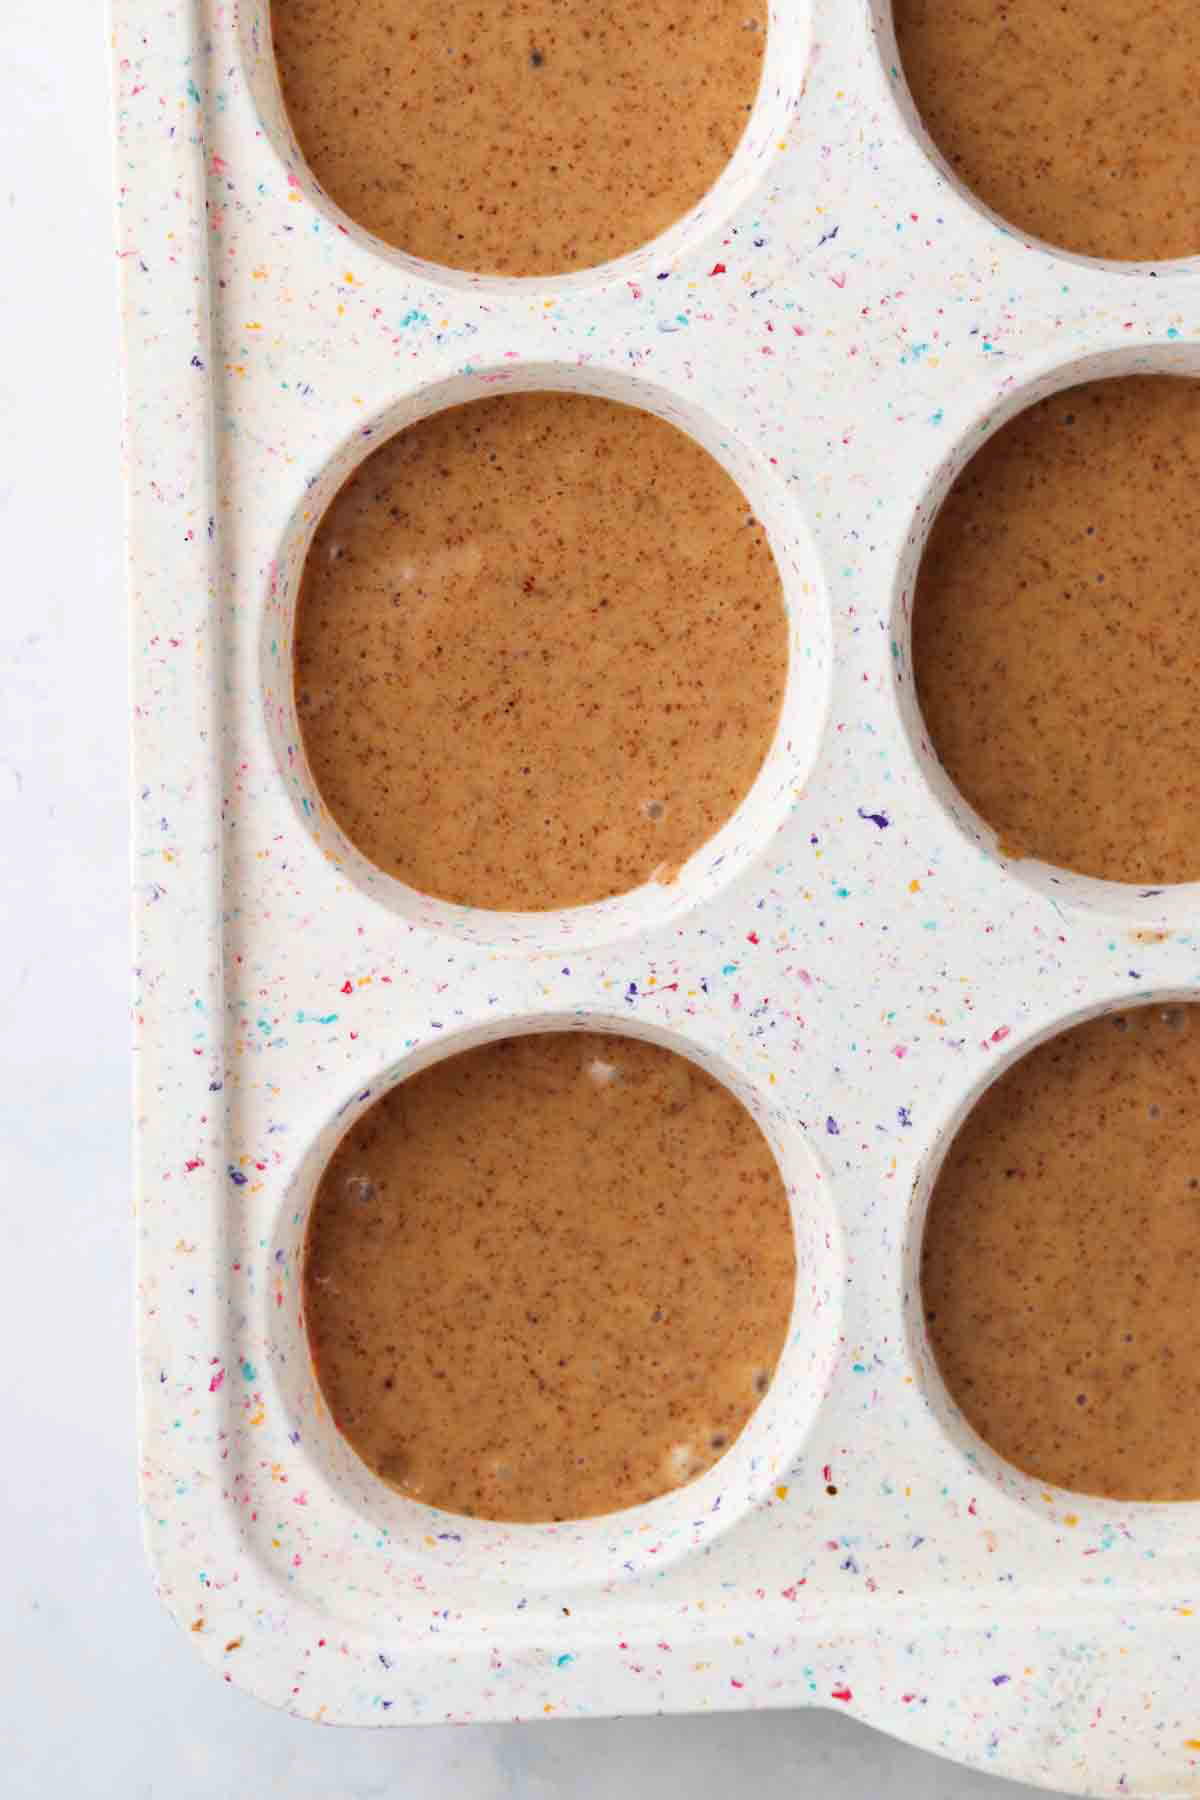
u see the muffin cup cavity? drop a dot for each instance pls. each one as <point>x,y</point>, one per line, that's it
<point>745,835</point>
<point>618,1545</point>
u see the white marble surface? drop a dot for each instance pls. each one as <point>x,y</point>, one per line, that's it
<point>100,1695</point>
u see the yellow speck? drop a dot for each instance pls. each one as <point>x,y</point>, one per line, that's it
<point>1070,1518</point>
<point>275,1544</point>
<point>432,1542</point>
<point>294,198</point>
<point>258,1417</point>
<point>1191,1743</point>
<point>341,311</point>
<point>365,980</point>
<point>547,303</point>
<point>771,1080</point>
<point>781,1492</point>
<point>914,887</point>
<point>254,325</point>
<point>259,274</point>
<point>348,278</point>
<point>547,1707</point>
<point>1185,1612</point>
<point>738,1642</point>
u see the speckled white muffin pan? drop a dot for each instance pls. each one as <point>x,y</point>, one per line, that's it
<point>842,326</point>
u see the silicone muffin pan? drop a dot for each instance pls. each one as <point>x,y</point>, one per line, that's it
<point>841,326</point>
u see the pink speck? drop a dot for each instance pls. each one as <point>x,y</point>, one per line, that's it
<point>737,1684</point>
<point>216,1381</point>
<point>719,269</point>
<point>347,987</point>
<point>752,937</point>
<point>900,1051</point>
<point>842,1693</point>
<point>196,1162</point>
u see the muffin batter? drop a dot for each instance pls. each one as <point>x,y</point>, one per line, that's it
<point>541,649</point>
<point>1056,626</point>
<point>548,1278</point>
<point>1079,123</point>
<point>1061,1259</point>
<point>528,137</point>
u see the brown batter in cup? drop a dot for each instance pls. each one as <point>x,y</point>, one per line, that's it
<point>1061,1259</point>
<point>518,137</point>
<point>548,1278</point>
<point>1056,630</point>
<point>1078,123</point>
<point>540,653</point>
